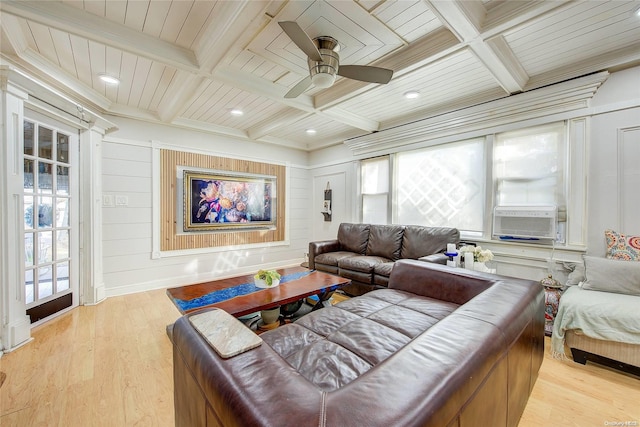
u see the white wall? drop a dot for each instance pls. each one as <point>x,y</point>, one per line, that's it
<point>128,230</point>
<point>614,160</point>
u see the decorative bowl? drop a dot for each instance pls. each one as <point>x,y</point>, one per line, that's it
<point>261,283</point>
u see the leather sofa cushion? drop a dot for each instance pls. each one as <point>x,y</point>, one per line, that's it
<point>355,276</point>
<point>384,269</point>
<point>362,263</point>
<point>353,237</point>
<point>420,241</point>
<point>337,344</point>
<point>333,258</point>
<point>381,273</point>
<point>385,241</point>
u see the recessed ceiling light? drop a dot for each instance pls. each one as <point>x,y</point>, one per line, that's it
<point>412,94</point>
<point>236,112</point>
<point>636,13</point>
<point>110,80</point>
<point>310,131</point>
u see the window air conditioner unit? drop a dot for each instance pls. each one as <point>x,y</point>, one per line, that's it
<point>525,222</point>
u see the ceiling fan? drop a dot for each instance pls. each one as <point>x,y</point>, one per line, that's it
<point>324,62</point>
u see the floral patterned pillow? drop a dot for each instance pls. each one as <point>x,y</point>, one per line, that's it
<point>622,247</point>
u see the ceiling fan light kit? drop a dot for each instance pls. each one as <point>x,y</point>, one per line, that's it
<point>323,73</point>
<point>324,62</point>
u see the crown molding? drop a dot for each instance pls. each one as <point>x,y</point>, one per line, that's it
<point>560,98</point>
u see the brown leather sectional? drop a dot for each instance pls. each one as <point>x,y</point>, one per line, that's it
<point>366,253</point>
<point>439,347</point>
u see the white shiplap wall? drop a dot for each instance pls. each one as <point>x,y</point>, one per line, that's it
<point>128,230</point>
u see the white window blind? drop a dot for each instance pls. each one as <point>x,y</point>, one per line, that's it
<point>529,166</point>
<point>375,190</point>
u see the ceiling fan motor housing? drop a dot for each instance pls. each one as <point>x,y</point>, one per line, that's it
<point>323,73</point>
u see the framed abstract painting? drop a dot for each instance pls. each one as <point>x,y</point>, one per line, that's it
<point>221,201</point>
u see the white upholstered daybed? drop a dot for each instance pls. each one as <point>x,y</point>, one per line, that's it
<point>600,316</point>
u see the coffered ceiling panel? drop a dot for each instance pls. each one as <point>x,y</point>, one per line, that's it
<point>408,19</point>
<point>188,63</point>
<point>581,31</point>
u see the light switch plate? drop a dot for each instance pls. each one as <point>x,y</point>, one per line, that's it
<point>107,200</point>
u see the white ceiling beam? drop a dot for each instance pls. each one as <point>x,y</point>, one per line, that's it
<point>308,146</point>
<point>252,84</point>
<point>12,32</point>
<point>129,112</point>
<point>466,20</point>
<point>208,127</point>
<point>284,142</point>
<point>283,118</point>
<point>100,30</point>
<point>354,120</point>
<point>498,57</point>
<point>233,21</point>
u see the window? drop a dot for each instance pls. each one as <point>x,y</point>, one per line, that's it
<point>455,184</point>
<point>529,166</point>
<point>375,190</point>
<point>442,186</point>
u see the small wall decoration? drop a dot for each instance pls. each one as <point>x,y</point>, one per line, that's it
<point>326,204</point>
<point>221,201</point>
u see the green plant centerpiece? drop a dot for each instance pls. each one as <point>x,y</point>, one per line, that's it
<point>266,278</point>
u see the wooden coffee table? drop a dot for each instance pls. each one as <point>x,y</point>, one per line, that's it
<point>310,283</point>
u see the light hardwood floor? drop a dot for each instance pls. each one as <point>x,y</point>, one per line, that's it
<point>110,365</point>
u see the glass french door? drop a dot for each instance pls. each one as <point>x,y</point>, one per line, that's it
<point>50,219</point>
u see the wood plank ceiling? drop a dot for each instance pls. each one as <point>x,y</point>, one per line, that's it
<point>189,63</point>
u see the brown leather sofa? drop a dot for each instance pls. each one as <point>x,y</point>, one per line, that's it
<point>366,253</point>
<point>440,347</point>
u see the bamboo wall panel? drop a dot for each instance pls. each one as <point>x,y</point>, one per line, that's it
<point>170,240</point>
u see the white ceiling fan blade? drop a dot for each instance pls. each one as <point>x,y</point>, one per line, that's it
<point>366,73</point>
<point>299,88</point>
<point>301,39</point>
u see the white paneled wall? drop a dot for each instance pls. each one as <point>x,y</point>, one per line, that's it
<point>614,160</point>
<point>128,224</point>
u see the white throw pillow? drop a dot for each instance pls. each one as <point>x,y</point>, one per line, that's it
<point>577,274</point>
<point>611,275</point>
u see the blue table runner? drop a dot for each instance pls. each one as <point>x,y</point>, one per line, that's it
<point>232,292</point>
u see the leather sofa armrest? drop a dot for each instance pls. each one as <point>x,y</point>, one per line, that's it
<point>435,258</point>
<point>322,247</point>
